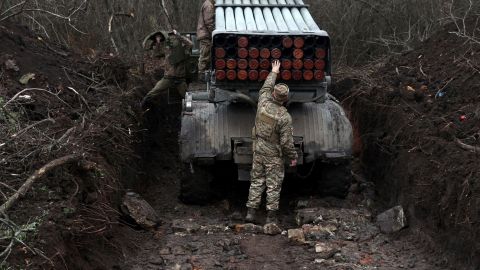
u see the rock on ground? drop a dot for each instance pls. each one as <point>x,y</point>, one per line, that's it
<point>325,250</point>
<point>134,206</point>
<point>248,228</point>
<point>185,226</point>
<point>296,236</point>
<point>307,215</point>
<point>392,220</point>
<point>271,229</point>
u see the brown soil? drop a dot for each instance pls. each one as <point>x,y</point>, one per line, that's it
<point>72,210</point>
<point>408,138</point>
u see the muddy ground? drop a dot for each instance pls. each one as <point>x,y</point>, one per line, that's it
<point>406,155</point>
<point>415,115</point>
<point>212,236</point>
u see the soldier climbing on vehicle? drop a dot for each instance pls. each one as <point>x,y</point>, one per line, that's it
<point>177,52</point>
<point>205,27</point>
<point>272,142</point>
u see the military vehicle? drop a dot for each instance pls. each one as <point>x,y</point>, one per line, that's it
<point>217,122</point>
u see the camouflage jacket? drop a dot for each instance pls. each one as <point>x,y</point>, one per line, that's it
<point>206,20</point>
<point>177,51</point>
<point>273,131</point>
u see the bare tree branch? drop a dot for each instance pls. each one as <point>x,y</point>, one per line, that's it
<point>22,6</point>
<point>32,89</point>
<point>35,176</point>
<point>110,31</point>
<point>467,147</point>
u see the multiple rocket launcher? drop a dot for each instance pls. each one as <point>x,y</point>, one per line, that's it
<point>246,56</point>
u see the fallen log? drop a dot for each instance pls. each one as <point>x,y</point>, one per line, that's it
<point>35,176</point>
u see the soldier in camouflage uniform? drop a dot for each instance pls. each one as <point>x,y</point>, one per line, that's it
<point>205,27</point>
<point>272,143</point>
<point>177,51</point>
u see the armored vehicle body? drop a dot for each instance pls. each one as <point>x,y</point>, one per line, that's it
<point>217,123</point>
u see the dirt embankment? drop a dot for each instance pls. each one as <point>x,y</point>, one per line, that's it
<point>67,105</point>
<point>418,120</point>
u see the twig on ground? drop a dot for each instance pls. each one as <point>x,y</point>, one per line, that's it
<point>19,133</point>
<point>32,126</point>
<point>33,89</point>
<point>35,176</point>
<point>81,97</point>
<point>467,147</point>
<point>441,89</point>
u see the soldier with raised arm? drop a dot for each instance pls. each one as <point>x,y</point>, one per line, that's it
<point>272,144</point>
<point>177,52</point>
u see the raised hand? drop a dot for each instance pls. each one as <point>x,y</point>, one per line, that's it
<point>276,66</point>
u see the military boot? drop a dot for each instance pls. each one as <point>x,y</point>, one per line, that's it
<point>250,218</point>
<point>272,217</point>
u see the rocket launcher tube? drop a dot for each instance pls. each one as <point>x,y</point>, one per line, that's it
<point>312,25</point>
<point>277,15</point>
<point>269,19</point>
<point>249,18</point>
<point>230,19</point>
<point>257,12</point>
<point>220,19</point>
<point>239,18</point>
<point>288,18</point>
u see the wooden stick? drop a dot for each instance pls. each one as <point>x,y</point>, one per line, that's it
<point>467,147</point>
<point>33,89</point>
<point>35,176</point>
<point>165,11</point>
<point>110,31</point>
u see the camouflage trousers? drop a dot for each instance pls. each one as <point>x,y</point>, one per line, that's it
<point>267,172</point>
<point>163,85</point>
<point>204,59</point>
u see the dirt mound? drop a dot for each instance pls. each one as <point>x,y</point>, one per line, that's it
<point>54,103</point>
<point>418,120</point>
